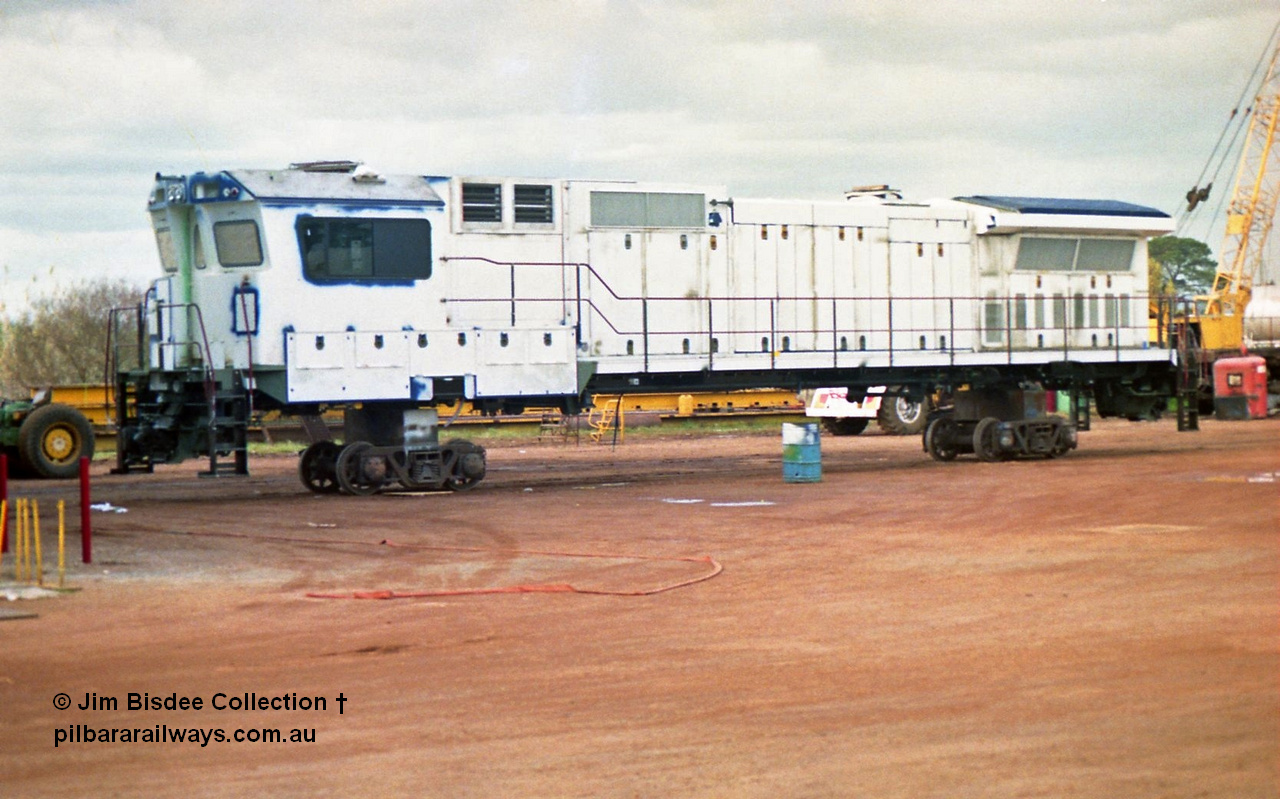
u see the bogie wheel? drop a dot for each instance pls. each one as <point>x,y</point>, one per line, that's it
<point>52,439</point>
<point>939,439</point>
<point>847,426</point>
<point>359,473</point>
<point>902,416</point>
<point>464,465</point>
<point>318,467</point>
<point>984,440</point>
<point>1061,443</point>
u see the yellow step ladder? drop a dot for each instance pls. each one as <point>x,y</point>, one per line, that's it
<point>603,419</point>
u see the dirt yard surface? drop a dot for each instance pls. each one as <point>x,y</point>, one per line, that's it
<point>1102,625</point>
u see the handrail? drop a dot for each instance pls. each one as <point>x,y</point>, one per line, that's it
<point>866,298</point>
<point>248,337</point>
<point>1068,324</point>
<point>210,380</point>
<point>143,311</point>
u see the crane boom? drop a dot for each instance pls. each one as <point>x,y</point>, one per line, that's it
<point>1249,219</point>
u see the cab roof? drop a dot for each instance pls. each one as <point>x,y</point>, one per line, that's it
<point>1068,207</point>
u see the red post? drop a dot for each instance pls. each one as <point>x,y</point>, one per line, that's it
<point>4,494</point>
<point>86,532</point>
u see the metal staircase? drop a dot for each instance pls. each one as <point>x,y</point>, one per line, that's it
<point>229,429</point>
<point>168,414</point>
<point>1192,373</point>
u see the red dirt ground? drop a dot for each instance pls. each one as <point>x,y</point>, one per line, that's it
<point>1103,625</point>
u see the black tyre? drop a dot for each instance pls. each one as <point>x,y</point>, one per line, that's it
<point>900,416</point>
<point>844,427</point>
<point>52,439</point>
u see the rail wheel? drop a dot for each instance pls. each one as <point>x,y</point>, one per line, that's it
<point>359,473</point>
<point>984,440</point>
<point>848,426</point>
<point>318,467</point>
<point>463,465</point>
<point>939,439</point>
<point>52,439</point>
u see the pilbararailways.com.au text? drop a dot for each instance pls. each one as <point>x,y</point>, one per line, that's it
<point>82,733</point>
<point>164,734</point>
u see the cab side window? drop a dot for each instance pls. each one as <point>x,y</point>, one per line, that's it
<point>351,250</point>
<point>238,243</point>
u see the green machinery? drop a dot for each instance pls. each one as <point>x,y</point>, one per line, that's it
<point>47,438</point>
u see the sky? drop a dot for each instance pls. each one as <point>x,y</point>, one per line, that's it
<point>1116,99</point>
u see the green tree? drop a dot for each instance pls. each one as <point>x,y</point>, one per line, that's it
<point>62,338</point>
<point>1157,284</point>
<point>1185,264</point>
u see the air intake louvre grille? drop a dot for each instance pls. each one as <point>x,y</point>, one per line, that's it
<point>481,202</point>
<point>533,204</point>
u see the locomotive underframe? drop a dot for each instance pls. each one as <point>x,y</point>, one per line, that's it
<point>178,414</point>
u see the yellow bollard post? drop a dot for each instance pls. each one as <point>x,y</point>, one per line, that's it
<point>26,547</point>
<point>62,540</point>
<point>35,528</point>
<point>4,530</point>
<point>27,565</point>
<point>17,539</point>
<point>21,573</point>
<point>26,540</point>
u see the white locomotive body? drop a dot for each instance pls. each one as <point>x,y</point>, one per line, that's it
<point>323,284</point>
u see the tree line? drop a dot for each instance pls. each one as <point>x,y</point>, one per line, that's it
<point>61,338</point>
